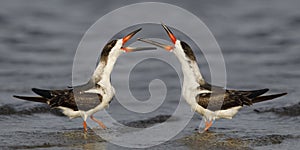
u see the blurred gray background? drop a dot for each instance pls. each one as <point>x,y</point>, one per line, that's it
<point>259,41</point>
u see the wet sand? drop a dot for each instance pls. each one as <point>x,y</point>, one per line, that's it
<point>77,139</point>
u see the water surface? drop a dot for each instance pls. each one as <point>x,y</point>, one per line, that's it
<point>259,40</point>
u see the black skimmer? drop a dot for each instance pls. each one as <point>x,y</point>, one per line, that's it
<point>96,94</point>
<point>212,102</point>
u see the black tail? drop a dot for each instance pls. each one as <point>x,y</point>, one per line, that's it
<point>43,93</point>
<point>33,99</point>
<point>267,97</point>
<point>256,93</point>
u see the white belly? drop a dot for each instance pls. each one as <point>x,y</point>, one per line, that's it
<point>190,96</point>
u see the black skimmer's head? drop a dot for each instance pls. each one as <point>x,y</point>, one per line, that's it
<point>115,47</point>
<point>180,48</point>
<point>110,53</point>
<point>185,55</point>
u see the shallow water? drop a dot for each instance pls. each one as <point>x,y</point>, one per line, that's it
<point>258,41</point>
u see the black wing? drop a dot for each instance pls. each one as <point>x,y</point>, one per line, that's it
<point>66,98</point>
<point>224,99</point>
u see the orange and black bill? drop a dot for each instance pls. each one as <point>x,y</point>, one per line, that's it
<point>164,46</point>
<point>134,49</point>
<point>171,35</point>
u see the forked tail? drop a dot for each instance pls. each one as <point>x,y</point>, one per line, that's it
<point>33,99</point>
<point>43,93</point>
<point>267,97</point>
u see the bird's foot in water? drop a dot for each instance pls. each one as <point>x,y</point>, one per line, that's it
<point>208,124</point>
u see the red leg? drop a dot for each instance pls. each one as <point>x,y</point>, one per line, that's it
<point>208,125</point>
<point>98,121</point>
<point>84,126</point>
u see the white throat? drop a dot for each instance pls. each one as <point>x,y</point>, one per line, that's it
<point>190,69</point>
<point>103,70</point>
